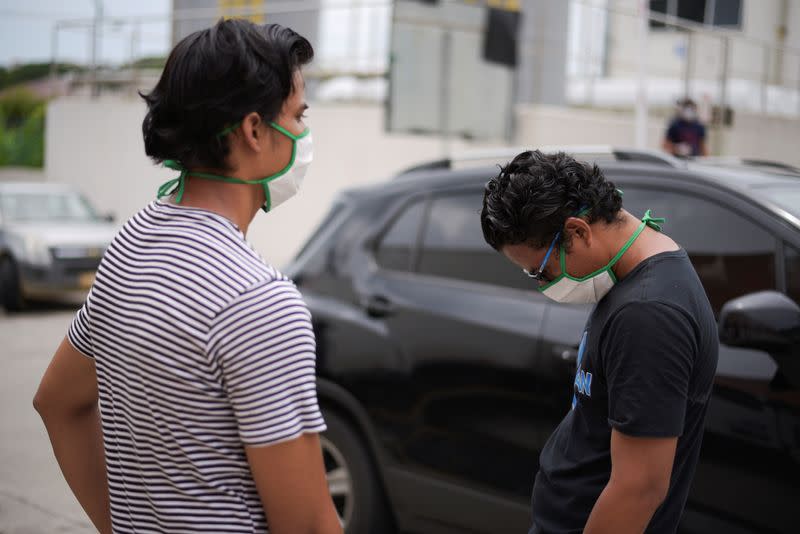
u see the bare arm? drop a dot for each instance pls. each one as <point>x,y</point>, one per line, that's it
<point>67,403</point>
<point>641,469</point>
<point>290,478</point>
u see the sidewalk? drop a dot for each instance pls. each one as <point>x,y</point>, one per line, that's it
<point>34,498</point>
<point>20,516</point>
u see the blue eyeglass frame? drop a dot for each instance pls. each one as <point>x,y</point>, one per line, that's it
<point>538,274</point>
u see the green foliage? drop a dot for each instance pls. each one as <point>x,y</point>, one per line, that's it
<point>22,117</point>
<point>32,71</point>
<point>150,62</point>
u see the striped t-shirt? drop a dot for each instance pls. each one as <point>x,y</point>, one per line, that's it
<point>200,348</point>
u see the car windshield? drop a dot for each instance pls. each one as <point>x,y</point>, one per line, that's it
<point>787,196</point>
<point>46,206</point>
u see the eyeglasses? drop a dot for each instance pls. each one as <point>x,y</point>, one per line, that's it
<point>538,274</point>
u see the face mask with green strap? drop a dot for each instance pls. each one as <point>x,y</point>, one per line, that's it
<point>592,287</point>
<point>278,188</point>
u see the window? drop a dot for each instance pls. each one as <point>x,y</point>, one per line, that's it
<point>732,255</point>
<point>725,13</point>
<point>453,246</point>
<point>398,243</point>
<point>792,259</point>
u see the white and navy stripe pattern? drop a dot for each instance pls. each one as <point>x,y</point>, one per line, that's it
<point>201,348</point>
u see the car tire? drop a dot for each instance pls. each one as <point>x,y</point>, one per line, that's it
<point>10,288</point>
<point>352,480</point>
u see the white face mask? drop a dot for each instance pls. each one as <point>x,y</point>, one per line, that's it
<point>592,287</point>
<point>581,291</point>
<point>688,113</point>
<point>278,188</point>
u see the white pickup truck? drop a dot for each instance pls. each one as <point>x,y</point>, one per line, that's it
<point>51,242</point>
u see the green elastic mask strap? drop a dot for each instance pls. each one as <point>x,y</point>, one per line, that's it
<point>177,185</point>
<point>647,220</point>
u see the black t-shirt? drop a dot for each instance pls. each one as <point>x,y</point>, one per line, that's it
<point>646,365</point>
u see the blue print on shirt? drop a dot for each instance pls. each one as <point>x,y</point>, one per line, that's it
<point>583,379</point>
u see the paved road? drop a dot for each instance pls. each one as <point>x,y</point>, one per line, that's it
<point>34,499</point>
<point>33,496</point>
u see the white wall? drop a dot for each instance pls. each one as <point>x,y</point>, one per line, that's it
<point>760,20</point>
<point>791,62</point>
<point>752,135</point>
<point>549,125</point>
<point>98,146</point>
<point>20,174</point>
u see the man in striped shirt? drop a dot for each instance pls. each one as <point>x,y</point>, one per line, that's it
<point>183,398</point>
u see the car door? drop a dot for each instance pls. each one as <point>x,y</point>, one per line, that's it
<point>748,477</point>
<point>468,407</point>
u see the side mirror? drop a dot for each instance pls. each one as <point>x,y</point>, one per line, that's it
<point>768,321</point>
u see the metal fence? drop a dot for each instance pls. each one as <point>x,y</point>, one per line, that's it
<point>607,62</point>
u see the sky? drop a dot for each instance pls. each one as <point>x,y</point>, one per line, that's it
<point>26,29</point>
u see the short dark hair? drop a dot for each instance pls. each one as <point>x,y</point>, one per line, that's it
<point>212,79</point>
<point>533,196</point>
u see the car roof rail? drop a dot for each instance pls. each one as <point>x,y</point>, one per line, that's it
<point>587,152</point>
<point>756,163</point>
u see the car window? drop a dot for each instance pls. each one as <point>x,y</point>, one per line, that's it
<point>732,255</point>
<point>397,245</point>
<point>46,207</point>
<point>453,245</point>
<point>792,259</point>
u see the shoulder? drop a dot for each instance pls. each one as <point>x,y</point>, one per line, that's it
<point>265,299</point>
<point>269,312</point>
<point>647,324</point>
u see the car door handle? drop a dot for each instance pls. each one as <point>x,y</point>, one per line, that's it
<point>378,306</point>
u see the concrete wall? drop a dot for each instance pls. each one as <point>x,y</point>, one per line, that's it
<point>666,48</point>
<point>752,135</point>
<point>21,174</point>
<point>756,137</point>
<point>550,125</point>
<point>98,146</point>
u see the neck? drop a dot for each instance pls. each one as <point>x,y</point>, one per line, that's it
<point>238,203</point>
<point>649,243</point>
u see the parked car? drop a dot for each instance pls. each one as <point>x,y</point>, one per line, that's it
<point>442,371</point>
<point>51,241</point>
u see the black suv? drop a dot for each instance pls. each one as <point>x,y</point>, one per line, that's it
<point>442,371</point>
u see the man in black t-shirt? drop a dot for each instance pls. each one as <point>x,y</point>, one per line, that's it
<point>623,458</point>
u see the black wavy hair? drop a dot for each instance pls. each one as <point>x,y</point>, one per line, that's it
<point>212,79</point>
<point>534,195</point>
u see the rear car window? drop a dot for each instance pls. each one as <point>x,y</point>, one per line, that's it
<point>733,256</point>
<point>396,247</point>
<point>453,245</point>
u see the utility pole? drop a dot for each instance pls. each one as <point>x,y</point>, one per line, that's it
<point>54,52</point>
<point>643,22</point>
<point>96,34</point>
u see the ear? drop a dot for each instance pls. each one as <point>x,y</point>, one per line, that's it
<point>578,228</point>
<point>253,131</point>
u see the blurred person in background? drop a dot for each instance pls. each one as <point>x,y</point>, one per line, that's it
<point>183,398</point>
<point>686,135</point>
